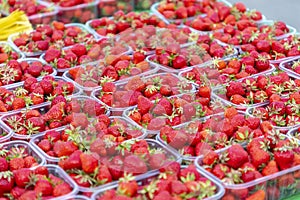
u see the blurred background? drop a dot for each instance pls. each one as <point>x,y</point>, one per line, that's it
<point>286,11</point>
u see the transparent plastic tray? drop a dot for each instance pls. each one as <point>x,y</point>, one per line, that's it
<point>12,48</point>
<point>55,160</point>
<point>286,66</point>
<point>147,178</point>
<point>29,60</point>
<point>88,90</point>
<point>215,82</point>
<point>218,91</point>
<point>151,133</point>
<point>283,129</point>
<point>183,126</point>
<point>171,155</point>
<point>130,36</point>
<point>96,62</point>
<point>41,109</point>
<point>69,15</point>
<point>260,183</point>
<point>30,150</point>
<point>38,53</point>
<point>121,87</point>
<point>77,91</point>
<point>60,173</point>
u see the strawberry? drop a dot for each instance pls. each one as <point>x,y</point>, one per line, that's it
<point>235,88</point>
<point>262,63</point>
<point>89,162</point>
<point>237,156</point>
<point>61,189</point>
<point>55,113</point>
<point>134,165</point>
<point>43,187</point>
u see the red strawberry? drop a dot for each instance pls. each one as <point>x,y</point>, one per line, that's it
<point>43,187</point>
<point>79,50</point>
<point>237,156</point>
<point>235,88</point>
<point>22,176</point>
<point>51,55</point>
<point>133,164</point>
<point>262,63</point>
<point>179,62</point>
<point>61,189</point>
<point>89,162</point>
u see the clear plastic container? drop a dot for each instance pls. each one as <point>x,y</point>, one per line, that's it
<point>216,103</point>
<point>77,91</point>
<point>214,80</point>
<point>292,30</point>
<point>184,126</point>
<point>54,160</point>
<point>42,109</point>
<point>60,173</point>
<point>139,39</point>
<point>286,66</point>
<point>283,129</point>
<point>12,37</point>
<point>88,90</point>
<point>5,135</point>
<point>263,183</point>
<point>29,60</point>
<point>29,149</point>
<point>171,155</point>
<point>79,13</point>
<point>118,110</point>
<point>95,62</point>
<point>10,48</point>
<point>148,178</point>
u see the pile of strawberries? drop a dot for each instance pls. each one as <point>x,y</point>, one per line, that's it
<point>34,92</point>
<point>261,157</point>
<point>136,157</point>
<point>23,178</point>
<point>152,87</point>
<point>173,111</point>
<point>120,22</point>
<point>96,137</point>
<point>280,111</point>
<point>222,130</point>
<point>172,181</point>
<point>81,54</point>
<point>149,37</point>
<point>59,113</point>
<point>260,89</point>
<point>56,35</point>
<point>15,71</point>
<point>292,66</point>
<point>114,68</point>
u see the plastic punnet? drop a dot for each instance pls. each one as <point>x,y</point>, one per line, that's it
<point>77,91</point>
<point>148,178</point>
<point>54,160</point>
<point>165,78</point>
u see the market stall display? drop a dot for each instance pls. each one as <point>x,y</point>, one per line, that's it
<point>148,100</point>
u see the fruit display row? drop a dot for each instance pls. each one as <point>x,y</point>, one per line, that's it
<point>193,100</point>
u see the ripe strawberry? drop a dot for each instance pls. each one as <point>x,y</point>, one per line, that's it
<point>55,113</point>
<point>18,103</point>
<point>89,162</point>
<point>51,55</point>
<point>79,50</point>
<point>179,62</point>
<point>43,187</point>
<point>235,88</point>
<point>21,177</point>
<point>61,189</point>
<point>134,165</point>
<point>262,63</point>
<point>237,156</point>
